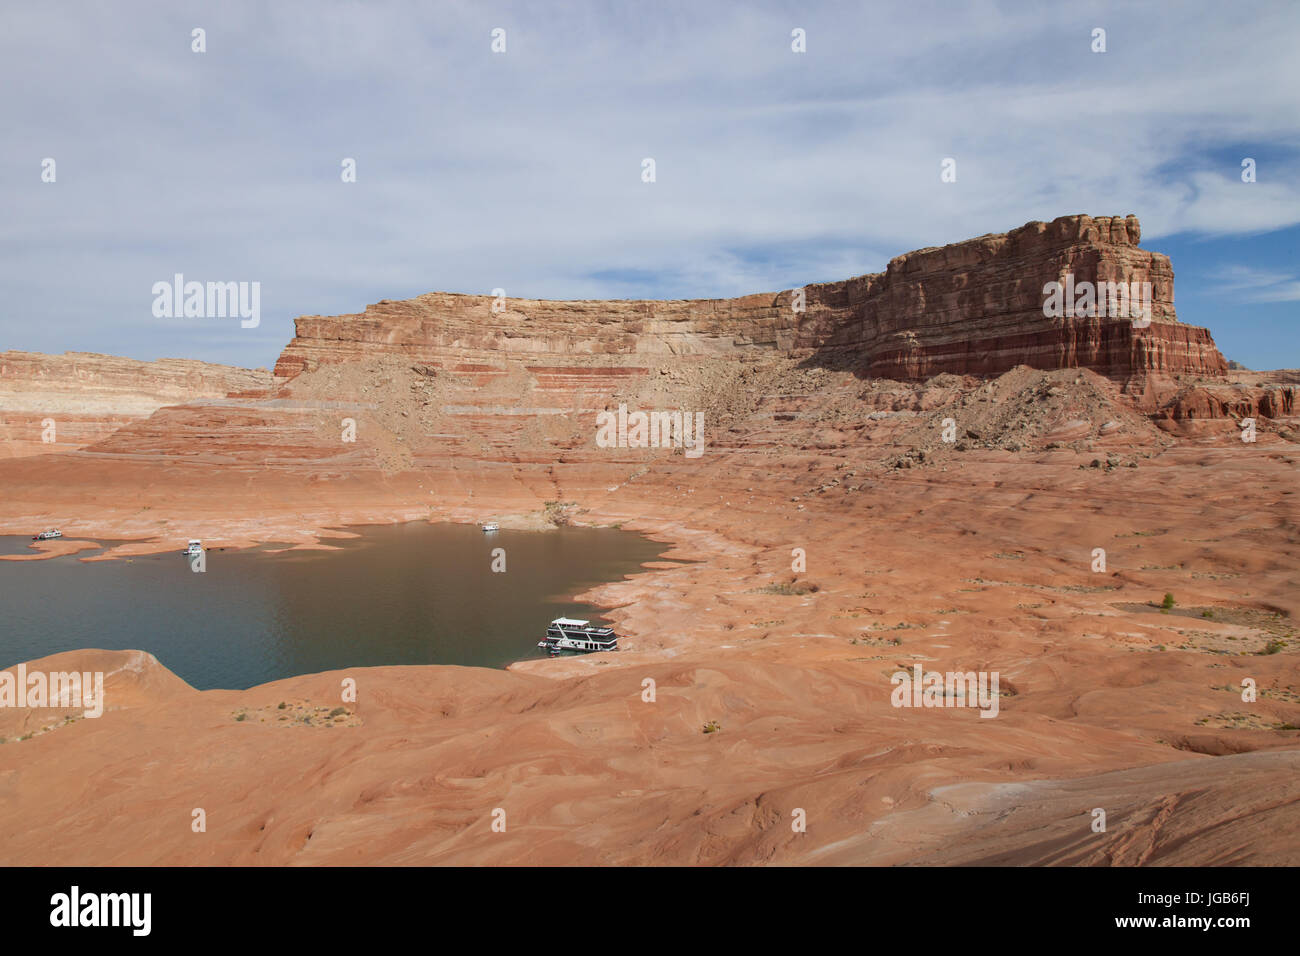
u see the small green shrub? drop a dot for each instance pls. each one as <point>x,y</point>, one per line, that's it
<point>791,589</point>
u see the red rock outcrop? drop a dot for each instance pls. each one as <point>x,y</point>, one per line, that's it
<point>1200,402</point>
<point>976,308</point>
<point>89,396</point>
<point>972,308</point>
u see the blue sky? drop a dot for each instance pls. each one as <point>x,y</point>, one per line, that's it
<point>522,170</point>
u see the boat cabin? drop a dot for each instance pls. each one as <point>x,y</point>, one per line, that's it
<point>570,634</point>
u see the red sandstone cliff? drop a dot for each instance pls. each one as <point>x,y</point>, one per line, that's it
<point>975,307</point>
<point>444,374</point>
<point>445,377</point>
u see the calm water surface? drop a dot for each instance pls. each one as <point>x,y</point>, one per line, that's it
<point>399,594</point>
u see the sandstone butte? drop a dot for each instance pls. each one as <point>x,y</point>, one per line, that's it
<point>823,432</point>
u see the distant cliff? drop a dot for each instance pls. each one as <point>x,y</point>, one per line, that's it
<point>89,396</point>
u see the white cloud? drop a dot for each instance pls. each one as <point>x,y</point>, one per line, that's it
<point>478,170</point>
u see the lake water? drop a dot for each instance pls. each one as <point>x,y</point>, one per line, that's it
<point>399,594</point>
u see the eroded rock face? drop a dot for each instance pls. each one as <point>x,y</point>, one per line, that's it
<point>972,308</point>
<point>1201,402</point>
<point>89,396</point>
<point>976,308</point>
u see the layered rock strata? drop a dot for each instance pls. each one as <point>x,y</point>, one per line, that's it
<point>972,308</point>
<point>88,396</point>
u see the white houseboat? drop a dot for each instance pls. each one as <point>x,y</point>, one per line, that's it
<point>567,634</point>
<point>195,547</point>
<point>492,526</point>
<point>47,535</point>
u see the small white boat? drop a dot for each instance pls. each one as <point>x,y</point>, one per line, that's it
<point>195,548</point>
<point>47,535</point>
<point>492,526</point>
<point>583,637</point>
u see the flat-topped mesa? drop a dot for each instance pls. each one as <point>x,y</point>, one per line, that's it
<point>971,308</point>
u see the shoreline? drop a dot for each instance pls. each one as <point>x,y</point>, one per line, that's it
<point>123,548</point>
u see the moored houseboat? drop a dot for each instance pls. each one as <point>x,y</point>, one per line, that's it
<point>582,637</point>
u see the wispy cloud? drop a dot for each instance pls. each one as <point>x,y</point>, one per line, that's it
<point>1256,285</point>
